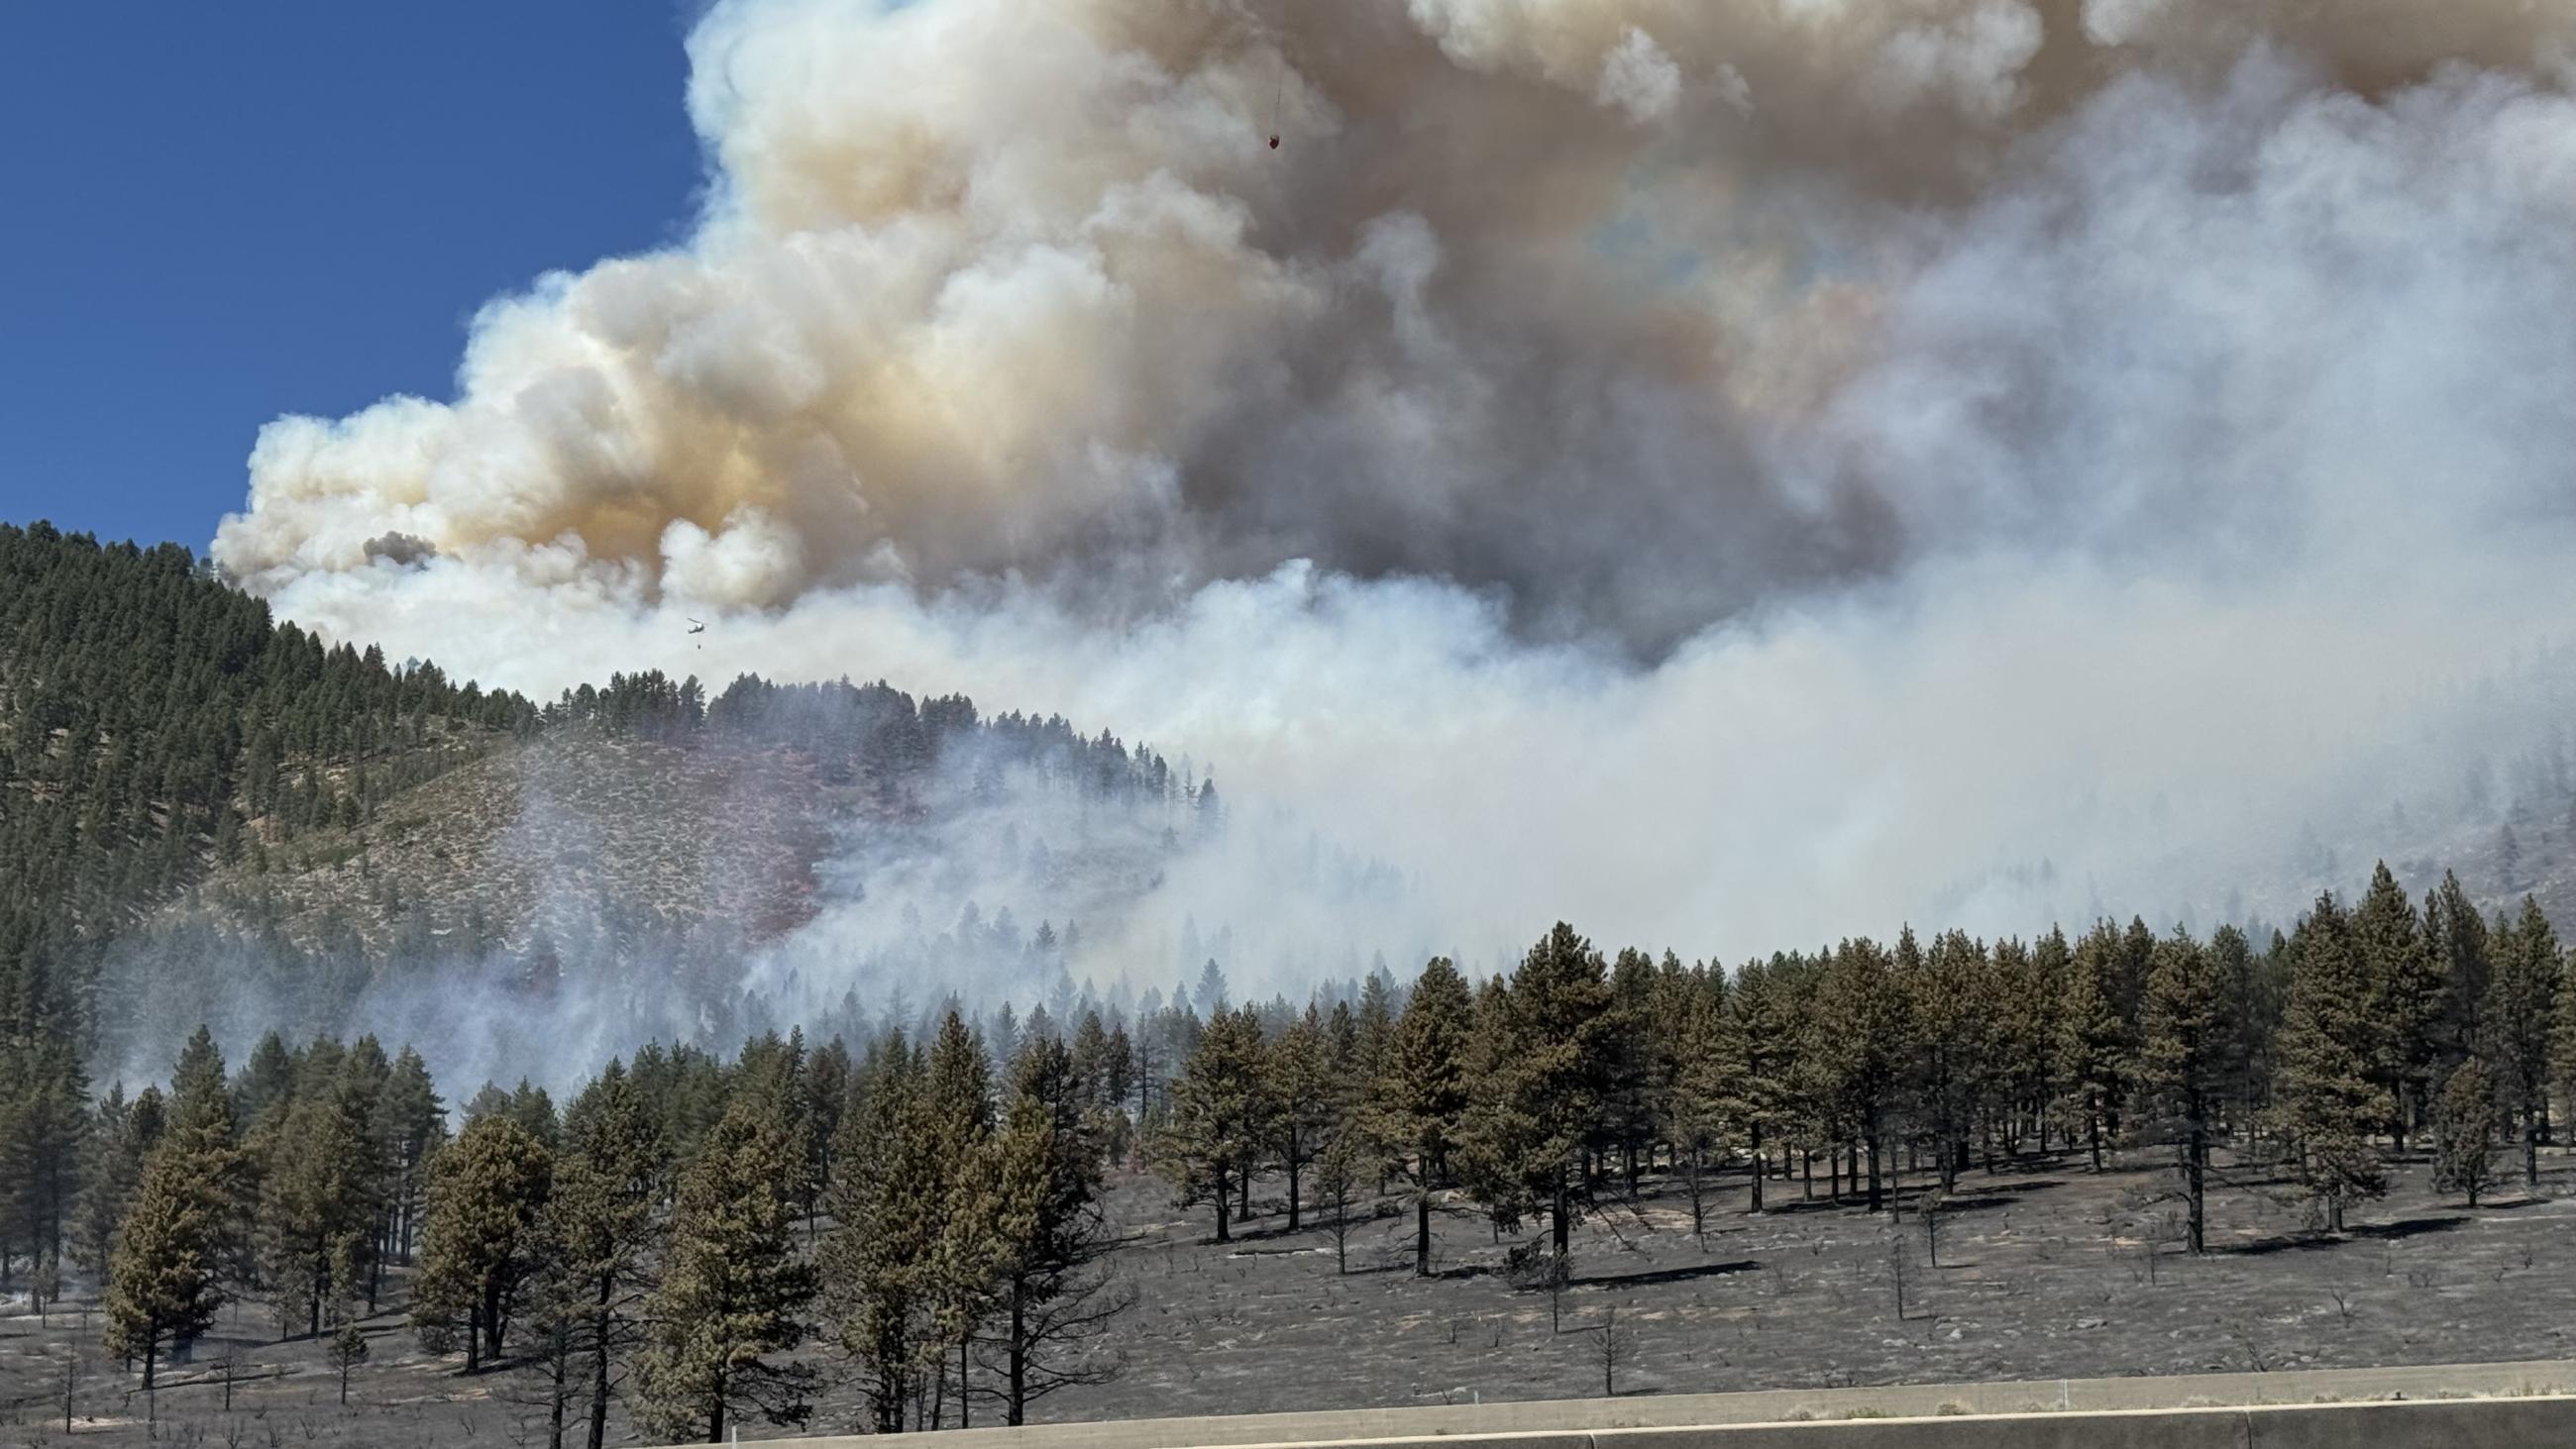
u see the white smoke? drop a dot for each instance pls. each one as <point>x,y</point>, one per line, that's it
<point>1728,476</point>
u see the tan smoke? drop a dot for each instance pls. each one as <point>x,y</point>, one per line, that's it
<point>1526,298</point>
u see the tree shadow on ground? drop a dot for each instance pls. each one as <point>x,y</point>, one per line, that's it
<point>1652,1277</point>
<point>2367,1232</point>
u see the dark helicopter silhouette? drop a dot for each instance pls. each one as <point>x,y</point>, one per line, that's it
<point>700,629</point>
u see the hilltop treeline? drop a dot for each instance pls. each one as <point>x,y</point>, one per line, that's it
<point>873,733</point>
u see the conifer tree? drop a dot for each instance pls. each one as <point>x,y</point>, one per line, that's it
<point>164,1284</point>
<point>1422,1101</point>
<point>2050,984</point>
<point>1947,1033</point>
<point>955,1166</point>
<point>1301,1092</point>
<point>479,1246</point>
<point>600,1231</point>
<point>1215,1120</point>
<point>2466,1121</point>
<point>314,1196</point>
<point>2405,979</point>
<point>2525,1011</point>
<point>2091,1047</point>
<point>413,1122</point>
<point>2244,1027</point>
<point>2182,1066</point>
<point>1629,1070</point>
<point>2457,937</point>
<point>734,1292</point>
<point>2329,1104</point>
<point>1052,1298</point>
<point>120,1139</point>
<point>1540,1107</point>
<point>1860,1041</point>
<point>878,1267</point>
<point>1755,1057</point>
<point>1704,1095</point>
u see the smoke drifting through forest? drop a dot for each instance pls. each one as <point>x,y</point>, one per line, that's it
<point>1749,474</point>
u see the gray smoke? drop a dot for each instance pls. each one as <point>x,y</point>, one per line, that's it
<point>1727,475</point>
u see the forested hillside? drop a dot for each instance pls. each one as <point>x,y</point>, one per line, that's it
<point>209,815</point>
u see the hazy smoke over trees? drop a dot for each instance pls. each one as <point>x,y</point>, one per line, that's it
<point>1730,475</point>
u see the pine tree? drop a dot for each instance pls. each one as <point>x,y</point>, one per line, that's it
<point>1860,1044</point>
<point>1215,1121</point>
<point>1421,1102</point>
<point>1703,1096</point>
<point>412,1123</point>
<point>2457,936</point>
<point>2182,1065</point>
<point>2406,981</point>
<point>119,1140</point>
<point>955,1164</point>
<point>600,1231</point>
<point>480,1244</point>
<point>1756,1057</point>
<point>1301,1092</point>
<point>1540,1107</point>
<point>733,1293</point>
<point>879,1266</point>
<point>1051,1296</point>
<point>1629,1070</point>
<point>1948,1035</point>
<point>2526,1012</point>
<point>2091,1046</point>
<point>2328,1101</point>
<point>2466,1122</point>
<point>164,1283</point>
<point>316,1194</point>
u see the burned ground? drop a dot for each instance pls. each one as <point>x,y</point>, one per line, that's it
<point>2044,1270</point>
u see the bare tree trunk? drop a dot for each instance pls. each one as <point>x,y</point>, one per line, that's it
<point>1422,1233</point>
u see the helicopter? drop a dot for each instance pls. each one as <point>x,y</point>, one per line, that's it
<point>699,629</point>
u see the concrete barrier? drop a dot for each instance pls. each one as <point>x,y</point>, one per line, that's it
<point>2509,1406</point>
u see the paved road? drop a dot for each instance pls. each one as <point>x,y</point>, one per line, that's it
<point>2119,1398</point>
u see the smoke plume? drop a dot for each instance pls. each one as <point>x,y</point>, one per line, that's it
<point>1728,475</point>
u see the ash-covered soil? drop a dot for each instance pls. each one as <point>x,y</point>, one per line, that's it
<point>2044,1271</point>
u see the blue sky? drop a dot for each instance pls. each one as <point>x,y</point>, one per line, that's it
<point>211,214</point>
